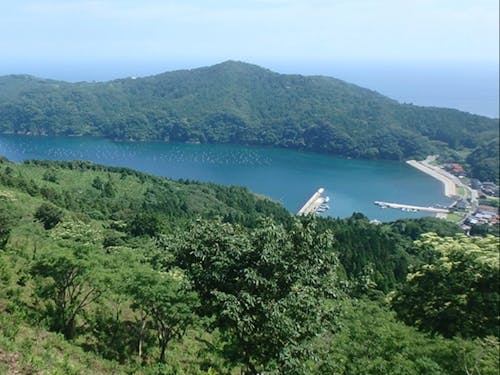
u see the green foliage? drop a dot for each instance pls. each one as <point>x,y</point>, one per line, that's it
<point>369,252</point>
<point>97,183</point>
<point>372,341</point>
<point>5,228</point>
<point>49,215</point>
<point>456,293</point>
<point>8,216</point>
<point>166,299</point>
<point>495,202</point>
<point>484,230</point>
<point>50,175</point>
<point>32,351</point>
<point>484,161</point>
<point>268,290</point>
<point>68,281</point>
<point>413,228</point>
<point>145,224</point>
<point>137,196</point>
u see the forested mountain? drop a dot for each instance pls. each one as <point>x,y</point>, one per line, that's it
<point>109,270</point>
<point>484,161</point>
<point>240,103</point>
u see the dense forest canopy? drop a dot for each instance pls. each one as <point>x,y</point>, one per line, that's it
<point>235,102</point>
<point>109,270</point>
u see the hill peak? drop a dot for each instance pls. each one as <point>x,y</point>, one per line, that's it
<point>237,66</point>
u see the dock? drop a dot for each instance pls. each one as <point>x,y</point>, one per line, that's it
<point>407,207</point>
<point>313,204</point>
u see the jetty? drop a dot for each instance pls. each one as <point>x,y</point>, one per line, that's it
<point>449,181</point>
<point>313,204</point>
<point>407,207</point>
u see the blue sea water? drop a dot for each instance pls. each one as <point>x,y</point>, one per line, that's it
<point>286,176</point>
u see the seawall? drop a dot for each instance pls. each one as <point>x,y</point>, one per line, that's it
<point>450,188</point>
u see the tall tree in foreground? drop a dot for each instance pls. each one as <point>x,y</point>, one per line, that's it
<point>269,290</point>
<point>166,300</point>
<point>67,280</point>
<point>457,292</point>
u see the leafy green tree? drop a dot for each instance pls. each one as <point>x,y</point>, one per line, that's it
<point>145,224</point>
<point>109,189</point>
<point>50,175</point>
<point>370,340</point>
<point>5,228</point>
<point>413,228</point>
<point>67,280</point>
<point>166,300</point>
<point>484,161</point>
<point>49,215</point>
<point>485,229</point>
<point>97,183</point>
<point>269,290</point>
<point>456,293</point>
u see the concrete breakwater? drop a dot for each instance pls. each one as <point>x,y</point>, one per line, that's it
<point>411,207</point>
<point>313,204</point>
<point>450,187</point>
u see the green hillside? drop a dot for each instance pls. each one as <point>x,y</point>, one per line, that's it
<point>240,103</point>
<point>111,271</point>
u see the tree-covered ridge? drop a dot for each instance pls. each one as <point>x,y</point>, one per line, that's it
<point>101,273</point>
<point>122,194</point>
<point>484,161</point>
<point>235,102</point>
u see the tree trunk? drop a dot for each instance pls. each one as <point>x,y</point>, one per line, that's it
<point>249,367</point>
<point>141,336</point>
<point>69,329</point>
<point>163,347</point>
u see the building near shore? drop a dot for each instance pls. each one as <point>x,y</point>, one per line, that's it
<point>454,168</point>
<point>484,215</point>
<point>490,188</point>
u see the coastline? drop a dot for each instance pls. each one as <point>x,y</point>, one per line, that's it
<point>450,187</point>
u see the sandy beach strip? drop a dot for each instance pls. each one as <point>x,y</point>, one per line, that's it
<point>450,188</point>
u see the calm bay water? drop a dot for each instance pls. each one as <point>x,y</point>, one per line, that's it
<point>286,176</point>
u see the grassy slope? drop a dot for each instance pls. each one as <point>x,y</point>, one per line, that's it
<point>28,348</point>
<point>130,190</point>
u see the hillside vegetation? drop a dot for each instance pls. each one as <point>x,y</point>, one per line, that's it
<point>109,270</point>
<point>235,102</point>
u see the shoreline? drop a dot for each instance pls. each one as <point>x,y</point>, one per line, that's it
<point>450,187</point>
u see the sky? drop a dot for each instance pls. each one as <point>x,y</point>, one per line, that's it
<point>255,30</point>
<point>105,39</point>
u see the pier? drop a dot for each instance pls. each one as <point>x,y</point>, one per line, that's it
<point>313,204</point>
<point>407,207</point>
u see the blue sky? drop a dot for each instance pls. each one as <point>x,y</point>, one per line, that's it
<point>204,32</point>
